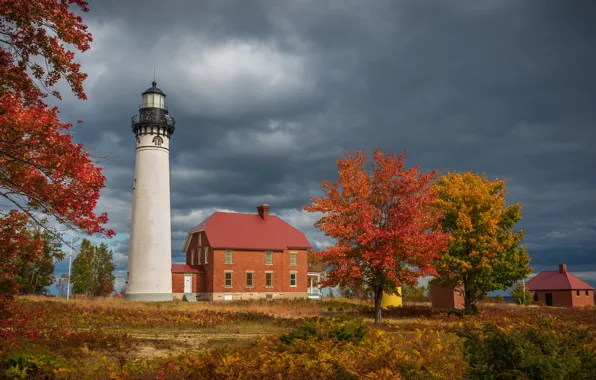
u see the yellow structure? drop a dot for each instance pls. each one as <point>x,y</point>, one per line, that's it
<point>394,300</point>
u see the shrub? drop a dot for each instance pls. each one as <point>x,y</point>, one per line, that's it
<point>350,330</point>
<point>25,367</point>
<point>543,352</point>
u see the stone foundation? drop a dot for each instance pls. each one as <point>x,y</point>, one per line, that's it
<point>148,297</point>
<point>241,296</point>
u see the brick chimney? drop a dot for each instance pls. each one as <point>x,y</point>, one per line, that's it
<point>263,210</point>
<point>562,268</point>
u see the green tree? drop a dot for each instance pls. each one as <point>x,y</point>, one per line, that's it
<point>35,270</point>
<point>484,252</point>
<point>82,269</point>
<point>413,292</point>
<point>521,295</point>
<point>93,270</point>
<point>103,271</point>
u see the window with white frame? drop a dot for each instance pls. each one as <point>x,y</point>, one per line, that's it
<point>199,256</point>
<point>293,259</point>
<point>293,279</point>
<point>268,279</point>
<point>228,277</point>
<point>228,256</point>
<point>192,257</point>
<point>268,258</point>
<point>200,234</point>
<point>206,255</point>
<point>249,279</point>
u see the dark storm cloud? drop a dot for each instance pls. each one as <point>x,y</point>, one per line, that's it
<point>267,94</point>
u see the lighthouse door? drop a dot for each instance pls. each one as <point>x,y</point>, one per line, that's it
<point>188,283</point>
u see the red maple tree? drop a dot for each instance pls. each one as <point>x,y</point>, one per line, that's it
<point>381,223</point>
<point>42,171</point>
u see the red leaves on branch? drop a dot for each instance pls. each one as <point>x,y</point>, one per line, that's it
<point>42,171</point>
<point>32,36</point>
<point>381,222</point>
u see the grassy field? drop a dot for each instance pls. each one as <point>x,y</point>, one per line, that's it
<point>111,338</point>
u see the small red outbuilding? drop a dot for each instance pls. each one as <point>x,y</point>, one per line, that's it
<point>560,288</point>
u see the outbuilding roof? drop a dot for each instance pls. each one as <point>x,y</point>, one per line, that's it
<point>230,230</point>
<point>557,280</point>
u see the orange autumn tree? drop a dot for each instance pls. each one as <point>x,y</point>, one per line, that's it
<point>484,251</point>
<point>42,171</point>
<point>381,223</point>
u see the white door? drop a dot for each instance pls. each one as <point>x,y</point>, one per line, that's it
<point>188,283</point>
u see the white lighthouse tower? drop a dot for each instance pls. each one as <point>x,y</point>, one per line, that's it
<point>149,276</point>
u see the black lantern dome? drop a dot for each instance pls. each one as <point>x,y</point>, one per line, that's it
<point>154,90</point>
<point>153,117</point>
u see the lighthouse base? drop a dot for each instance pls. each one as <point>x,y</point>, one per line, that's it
<point>149,297</point>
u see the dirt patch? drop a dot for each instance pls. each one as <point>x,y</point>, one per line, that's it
<point>165,344</point>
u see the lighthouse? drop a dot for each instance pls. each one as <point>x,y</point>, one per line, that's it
<point>149,276</point>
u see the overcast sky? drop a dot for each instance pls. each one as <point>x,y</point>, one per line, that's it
<point>267,94</point>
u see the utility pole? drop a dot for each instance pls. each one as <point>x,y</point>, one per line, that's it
<point>524,282</point>
<point>69,265</point>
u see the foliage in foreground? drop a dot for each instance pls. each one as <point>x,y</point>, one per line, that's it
<point>94,341</point>
<point>546,351</point>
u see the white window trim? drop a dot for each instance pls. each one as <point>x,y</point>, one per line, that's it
<point>206,255</point>
<point>200,238</point>
<point>295,254</point>
<point>266,273</point>
<point>192,257</point>
<point>231,256</point>
<point>231,279</point>
<point>295,279</point>
<point>252,272</point>
<point>271,263</point>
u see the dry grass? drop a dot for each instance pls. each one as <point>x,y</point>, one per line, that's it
<point>275,308</point>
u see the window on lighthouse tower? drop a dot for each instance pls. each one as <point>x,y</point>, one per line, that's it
<point>157,140</point>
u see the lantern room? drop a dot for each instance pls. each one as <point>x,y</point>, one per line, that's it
<point>153,97</point>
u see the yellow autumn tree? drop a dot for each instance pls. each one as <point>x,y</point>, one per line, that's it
<point>485,252</point>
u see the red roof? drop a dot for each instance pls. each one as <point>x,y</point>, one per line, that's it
<point>185,268</point>
<point>250,231</point>
<point>555,280</point>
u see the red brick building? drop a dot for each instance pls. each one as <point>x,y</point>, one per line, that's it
<point>560,288</point>
<point>232,256</point>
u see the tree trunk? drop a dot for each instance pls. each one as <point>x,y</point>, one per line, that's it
<point>467,301</point>
<point>378,298</point>
<point>467,297</point>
